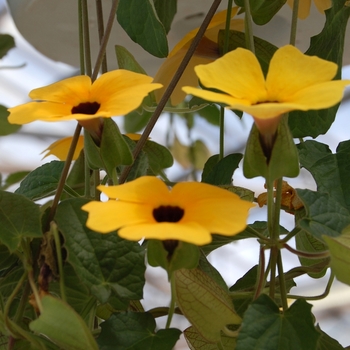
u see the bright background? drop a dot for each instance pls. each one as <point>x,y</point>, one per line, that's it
<point>49,26</point>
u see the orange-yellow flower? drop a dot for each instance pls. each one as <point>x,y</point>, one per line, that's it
<point>207,51</point>
<point>113,94</point>
<point>60,148</point>
<point>294,82</point>
<point>304,6</point>
<point>146,208</point>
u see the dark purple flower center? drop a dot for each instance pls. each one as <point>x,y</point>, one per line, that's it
<point>168,213</point>
<point>86,108</point>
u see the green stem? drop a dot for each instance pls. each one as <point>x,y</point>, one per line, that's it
<point>227,26</point>
<point>104,42</point>
<point>34,289</point>
<point>277,209</point>
<point>96,183</point>
<point>222,133</point>
<point>172,302</point>
<point>11,298</point>
<point>290,235</point>
<point>248,27</point>
<point>54,230</point>
<point>260,281</point>
<point>140,144</point>
<point>316,297</point>
<point>293,29</point>
<point>87,178</point>
<point>81,38</point>
<point>22,304</point>
<point>100,25</point>
<point>273,264</point>
<point>257,234</point>
<point>86,37</point>
<point>309,255</point>
<point>282,282</point>
<point>64,174</point>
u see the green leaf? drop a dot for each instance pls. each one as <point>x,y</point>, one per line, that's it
<point>246,283</point>
<point>166,11</point>
<point>339,248</point>
<point>205,266</point>
<point>196,341</point>
<point>265,327</point>
<point>7,42</point>
<point>211,114</point>
<point>328,169</point>
<point>112,151</point>
<point>7,260</point>
<point>159,157</point>
<point>263,49</point>
<point>328,209</point>
<point>78,295</point>
<point>103,262</point>
<point>324,215</point>
<point>220,172</point>
<point>283,160</point>
<point>325,342</point>
<point>262,10</point>
<point>184,255</point>
<point>205,304</point>
<point>140,165</point>
<point>136,331</point>
<point>60,323</point>
<point>218,241</point>
<point>14,178</point>
<point>329,45</point>
<point>308,243</point>
<point>139,19</point>
<point>135,122</point>
<point>127,61</point>
<point>10,281</point>
<point>42,181</point>
<point>5,127</point>
<point>19,218</point>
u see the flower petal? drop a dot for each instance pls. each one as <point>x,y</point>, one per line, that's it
<point>108,216</point>
<point>145,189</point>
<point>320,96</point>
<point>166,73</point>
<point>61,147</point>
<point>121,91</point>
<point>45,111</point>
<point>291,71</point>
<point>190,232</point>
<point>218,20</point>
<point>216,96</point>
<point>70,91</point>
<point>203,204</point>
<point>238,73</point>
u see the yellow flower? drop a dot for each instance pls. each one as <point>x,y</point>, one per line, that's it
<point>304,6</point>
<point>294,82</point>
<point>207,51</point>
<point>114,93</point>
<point>60,148</point>
<point>146,208</point>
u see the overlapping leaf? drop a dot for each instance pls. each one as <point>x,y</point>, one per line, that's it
<point>265,327</point>
<point>328,209</point>
<point>19,218</point>
<point>135,330</point>
<point>329,45</point>
<point>140,20</point>
<point>102,261</point>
